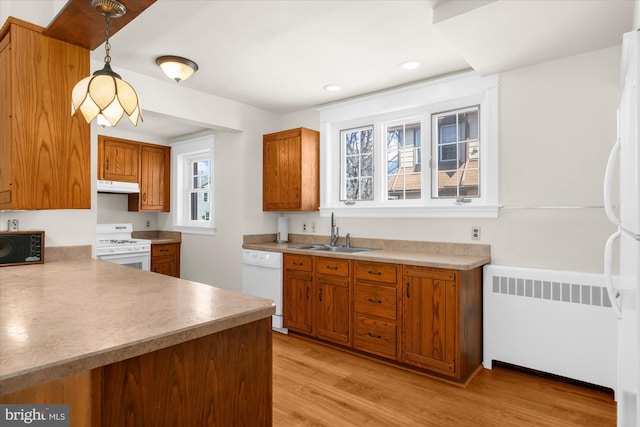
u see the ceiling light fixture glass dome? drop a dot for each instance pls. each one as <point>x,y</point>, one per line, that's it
<point>177,67</point>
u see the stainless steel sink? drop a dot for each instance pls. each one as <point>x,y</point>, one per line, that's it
<point>338,249</point>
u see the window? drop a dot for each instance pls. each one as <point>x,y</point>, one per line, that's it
<point>357,161</point>
<point>457,136</point>
<point>194,185</point>
<point>404,165</point>
<point>429,150</point>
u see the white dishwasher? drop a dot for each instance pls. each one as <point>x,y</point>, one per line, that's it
<point>262,277</point>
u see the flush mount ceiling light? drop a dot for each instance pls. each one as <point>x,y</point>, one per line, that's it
<point>411,65</point>
<point>105,93</point>
<point>332,88</point>
<point>177,67</point>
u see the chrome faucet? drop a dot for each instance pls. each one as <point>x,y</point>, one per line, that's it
<point>335,231</point>
<point>348,239</point>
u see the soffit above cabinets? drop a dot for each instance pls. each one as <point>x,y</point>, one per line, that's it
<point>80,24</point>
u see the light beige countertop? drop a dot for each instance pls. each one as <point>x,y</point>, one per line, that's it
<point>158,236</point>
<point>457,256</point>
<point>61,318</point>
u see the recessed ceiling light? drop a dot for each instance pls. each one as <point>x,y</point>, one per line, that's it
<point>333,88</point>
<point>411,65</point>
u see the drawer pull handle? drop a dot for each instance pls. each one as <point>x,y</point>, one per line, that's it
<point>164,250</point>
<point>320,296</point>
<point>107,165</point>
<point>377,273</point>
<point>307,292</point>
<point>332,267</point>
<point>297,263</point>
<point>374,335</point>
<point>375,301</point>
<point>408,296</point>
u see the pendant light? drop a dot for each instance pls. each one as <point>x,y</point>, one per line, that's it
<point>104,94</point>
<point>177,67</point>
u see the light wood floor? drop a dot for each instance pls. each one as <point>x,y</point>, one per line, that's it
<point>315,385</point>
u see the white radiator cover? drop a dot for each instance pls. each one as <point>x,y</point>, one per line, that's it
<point>557,322</point>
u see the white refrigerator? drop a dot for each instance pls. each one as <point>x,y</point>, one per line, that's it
<point>623,284</point>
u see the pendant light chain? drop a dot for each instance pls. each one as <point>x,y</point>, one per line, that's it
<point>107,45</point>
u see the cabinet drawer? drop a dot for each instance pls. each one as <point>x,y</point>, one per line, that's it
<point>375,336</point>
<point>430,273</point>
<point>163,249</point>
<point>333,266</point>
<point>376,272</point>
<point>298,262</point>
<point>378,301</point>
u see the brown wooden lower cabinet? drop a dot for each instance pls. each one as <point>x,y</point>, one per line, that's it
<point>429,318</point>
<point>223,379</point>
<point>165,258</point>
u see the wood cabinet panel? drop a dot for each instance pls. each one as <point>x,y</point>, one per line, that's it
<point>377,272</point>
<point>298,262</point>
<point>375,336</point>
<point>118,159</point>
<point>333,266</point>
<point>430,317</point>
<point>46,154</point>
<point>372,300</point>
<point>291,170</point>
<point>333,313</point>
<point>221,379</point>
<point>297,294</point>
<point>155,176</point>
<point>165,259</point>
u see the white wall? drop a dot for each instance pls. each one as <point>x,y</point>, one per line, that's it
<point>557,124</point>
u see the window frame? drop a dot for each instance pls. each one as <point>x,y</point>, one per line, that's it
<point>183,155</point>
<point>421,100</point>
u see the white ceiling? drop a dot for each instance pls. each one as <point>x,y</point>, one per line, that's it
<point>278,55</point>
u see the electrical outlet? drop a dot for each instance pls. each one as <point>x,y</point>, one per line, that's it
<point>304,227</point>
<point>475,233</point>
<point>313,227</point>
<point>148,224</point>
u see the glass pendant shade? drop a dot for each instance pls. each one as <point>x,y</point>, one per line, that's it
<point>105,94</point>
<point>176,67</point>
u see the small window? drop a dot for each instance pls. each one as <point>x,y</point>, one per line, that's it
<point>404,165</point>
<point>194,186</point>
<point>357,163</point>
<point>456,136</point>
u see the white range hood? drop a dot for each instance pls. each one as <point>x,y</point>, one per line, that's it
<point>118,187</point>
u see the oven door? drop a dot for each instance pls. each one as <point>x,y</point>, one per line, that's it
<point>141,260</point>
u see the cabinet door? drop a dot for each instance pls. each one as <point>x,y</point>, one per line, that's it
<point>282,172</point>
<point>165,259</point>
<point>297,309</point>
<point>154,178</point>
<point>5,123</point>
<point>429,321</point>
<point>333,321</point>
<point>118,159</point>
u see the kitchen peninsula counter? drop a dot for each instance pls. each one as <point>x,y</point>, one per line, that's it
<point>102,320</point>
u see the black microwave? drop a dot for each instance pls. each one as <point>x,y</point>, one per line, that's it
<point>21,247</point>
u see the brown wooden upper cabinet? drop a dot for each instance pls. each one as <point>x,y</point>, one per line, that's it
<point>155,180</point>
<point>118,159</point>
<point>291,170</point>
<point>135,161</point>
<point>45,154</point>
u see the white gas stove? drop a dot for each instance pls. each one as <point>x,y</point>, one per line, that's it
<point>116,245</point>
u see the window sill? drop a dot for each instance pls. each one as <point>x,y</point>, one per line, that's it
<point>454,211</point>
<point>210,231</point>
